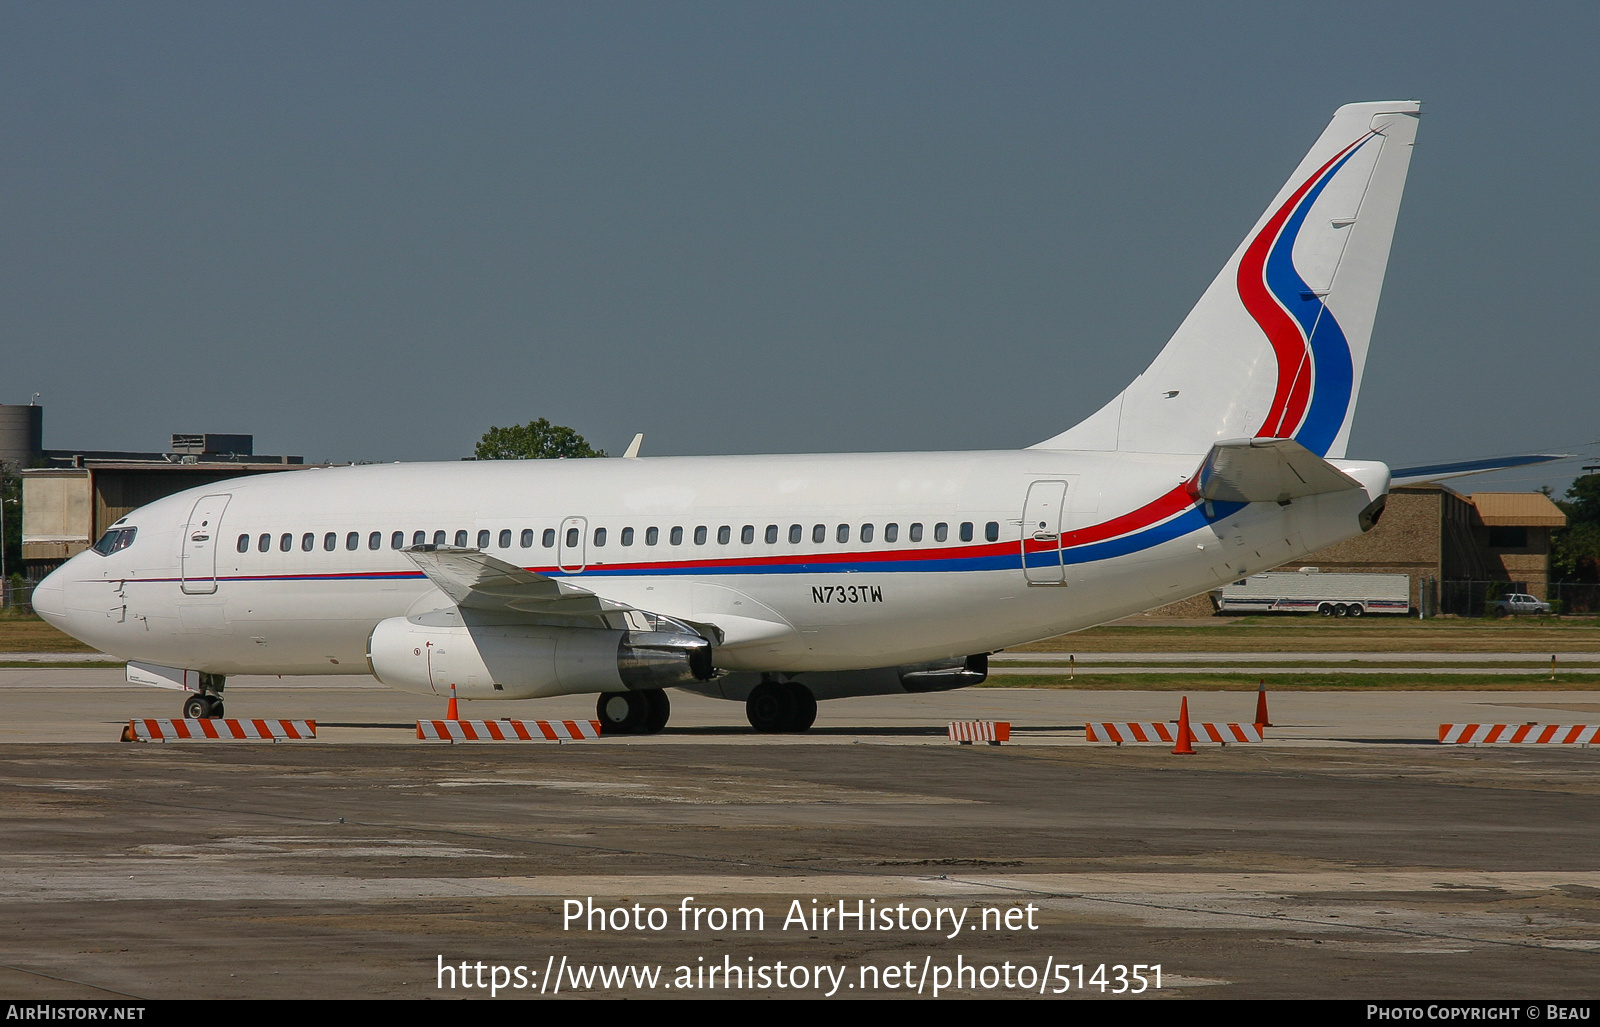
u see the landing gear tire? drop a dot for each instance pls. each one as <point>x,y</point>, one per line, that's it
<point>771,707</point>
<point>776,707</point>
<point>201,707</point>
<point>622,713</point>
<point>805,708</point>
<point>1355,610</point>
<point>1326,609</point>
<point>660,711</point>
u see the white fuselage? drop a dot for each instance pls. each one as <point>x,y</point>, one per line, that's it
<point>290,573</point>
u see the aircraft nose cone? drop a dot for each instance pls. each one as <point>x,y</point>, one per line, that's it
<point>50,600</point>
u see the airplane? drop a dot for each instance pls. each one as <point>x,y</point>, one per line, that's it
<point>781,581</point>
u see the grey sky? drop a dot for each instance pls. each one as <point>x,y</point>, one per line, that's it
<point>371,231</point>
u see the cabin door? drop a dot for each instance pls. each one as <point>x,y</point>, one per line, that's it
<point>200,545</point>
<point>1041,533</point>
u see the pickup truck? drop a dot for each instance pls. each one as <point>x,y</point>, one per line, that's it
<point>1517,602</point>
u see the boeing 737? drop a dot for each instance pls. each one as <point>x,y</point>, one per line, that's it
<point>779,581</point>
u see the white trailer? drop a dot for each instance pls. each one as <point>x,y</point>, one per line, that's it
<point>1311,591</point>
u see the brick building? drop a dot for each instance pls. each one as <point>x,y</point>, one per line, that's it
<point>1431,532</point>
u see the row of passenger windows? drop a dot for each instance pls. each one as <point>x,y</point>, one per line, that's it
<point>652,536</point>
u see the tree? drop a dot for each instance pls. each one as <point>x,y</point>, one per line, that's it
<point>11,497</point>
<point>1575,549</point>
<point>536,440</point>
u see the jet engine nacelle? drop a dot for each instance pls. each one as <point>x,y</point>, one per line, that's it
<point>521,661</point>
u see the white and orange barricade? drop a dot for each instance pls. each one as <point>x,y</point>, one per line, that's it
<point>507,730</point>
<point>1129,732</point>
<point>219,730</point>
<point>968,731</point>
<point>1519,734</point>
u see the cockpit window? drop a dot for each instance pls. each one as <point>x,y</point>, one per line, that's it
<point>114,540</point>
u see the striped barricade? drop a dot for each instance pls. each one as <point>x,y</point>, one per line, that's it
<point>507,730</point>
<point>968,731</point>
<point>1146,731</point>
<point>219,730</point>
<point>1519,734</point>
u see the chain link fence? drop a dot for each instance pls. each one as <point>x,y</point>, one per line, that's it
<point>17,595</point>
<point>1472,598</point>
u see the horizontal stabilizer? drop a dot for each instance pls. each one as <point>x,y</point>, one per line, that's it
<point>1439,472</point>
<point>1266,471</point>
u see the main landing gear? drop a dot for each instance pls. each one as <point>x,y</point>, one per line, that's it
<point>633,713</point>
<point>781,707</point>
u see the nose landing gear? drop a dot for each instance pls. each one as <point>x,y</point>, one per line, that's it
<point>202,707</point>
<point>207,703</point>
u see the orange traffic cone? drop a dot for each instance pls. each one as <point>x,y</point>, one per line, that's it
<point>1261,705</point>
<point>450,713</point>
<point>1185,746</point>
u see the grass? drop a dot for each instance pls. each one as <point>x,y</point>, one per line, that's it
<point>23,632</point>
<point>1297,633</point>
<point>1330,682</point>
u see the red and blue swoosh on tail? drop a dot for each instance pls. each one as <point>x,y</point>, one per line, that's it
<point>1315,371</point>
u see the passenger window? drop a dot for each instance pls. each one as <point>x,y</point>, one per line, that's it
<point>966,531</point>
<point>916,532</point>
<point>526,540</point>
<point>397,540</point>
<point>677,536</point>
<point>352,541</point>
<point>941,531</point>
<point>891,532</point>
<point>419,538</point>
<point>572,538</point>
<point>308,542</point>
<point>700,535</point>
<point>330,541</point>
<point>991,531</point>
<point>627,536</point>
<point>461,539</point>
<point>866,533</point>
<point>483,538</point>
<point>375,540</point>
<point>438,538</point>
<point>843,533</point>
<point>505,538</point>
<point>599,536</point>
<point>747,534</point>
<point>772,534</point>
<point>264,543</point>
<point>244,543</point>
<point>285,542</point>
<point>652,536</point>
<point>724,535</point>
<point>794,533</point>
<point>549,538</point>
<point>819,533</point>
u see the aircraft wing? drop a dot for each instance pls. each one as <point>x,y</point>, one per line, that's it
<point>474,580</point>
<point>1266,471</point>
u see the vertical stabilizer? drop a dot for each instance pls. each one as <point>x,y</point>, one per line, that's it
<point>1276,346</point>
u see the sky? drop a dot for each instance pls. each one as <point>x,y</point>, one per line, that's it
<point>372,231</point>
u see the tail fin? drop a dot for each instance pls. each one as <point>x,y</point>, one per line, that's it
<point>1275,347</point>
